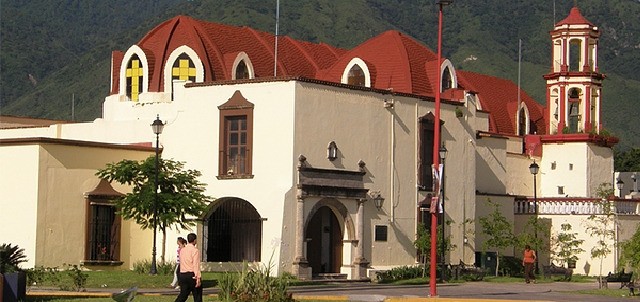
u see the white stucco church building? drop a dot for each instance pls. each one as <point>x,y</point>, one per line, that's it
<point>324,168</point>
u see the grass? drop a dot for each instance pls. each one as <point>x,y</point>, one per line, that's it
<point>126,279</point>
<point>608,292</point>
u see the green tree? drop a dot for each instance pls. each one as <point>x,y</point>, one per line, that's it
<point>601,225</point>
<point>631,252</point>
<point>566,246</point>
<point>423,244</point>
<point>180,194</point>
<point>628,161</point>
<point>498,230</point>
<point>533,234</point>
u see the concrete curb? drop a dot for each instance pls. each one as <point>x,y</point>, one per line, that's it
<point>313,297</point>
<point>438,299</point>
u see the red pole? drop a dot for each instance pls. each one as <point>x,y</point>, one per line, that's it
<point>436,164</point>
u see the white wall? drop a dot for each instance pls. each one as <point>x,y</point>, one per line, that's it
<point>19,178</point>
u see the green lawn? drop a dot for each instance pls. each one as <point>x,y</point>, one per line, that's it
<point>126,279</point>
<point>609,292</point>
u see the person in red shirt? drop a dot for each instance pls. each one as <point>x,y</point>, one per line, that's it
<point>528,261</point>
<point>190,276</point>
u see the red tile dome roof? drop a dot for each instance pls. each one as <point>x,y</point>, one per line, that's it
<point>574,18</point>
<point>395,62</point>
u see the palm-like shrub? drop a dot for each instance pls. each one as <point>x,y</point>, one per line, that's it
<point>10,258</point>
<point>254,285</point>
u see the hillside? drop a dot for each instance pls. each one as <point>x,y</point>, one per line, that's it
<point>53,53</point>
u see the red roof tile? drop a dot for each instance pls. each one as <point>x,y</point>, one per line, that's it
<point>574,18</point>
<point>399,63</point>
<point>500,98</point>
<point>395,61</point>
<point>216,43</point>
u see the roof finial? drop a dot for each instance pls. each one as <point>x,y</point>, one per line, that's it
<point>575,3</point>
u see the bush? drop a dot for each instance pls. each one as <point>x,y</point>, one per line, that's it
<point>254,285</point>
<point>77,276</point>
<point>163,267</point>
<point>10,258</point>
<point>72,278</point>
<point>400,273</point>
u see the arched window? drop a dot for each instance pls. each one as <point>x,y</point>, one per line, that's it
<point>522,122</point>
<point>594,109</point>
<point>575,55</point>
<point>425,159</point>
<point>446,79</point>
<point>356,73</point>
<point>356,76</point>
<point>135,77</point>
<point>242,72</point>
<point>574,110</point>
<point>183,69</point>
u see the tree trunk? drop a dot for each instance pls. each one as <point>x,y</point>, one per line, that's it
<point>164,244</point>
<point>497,262</point>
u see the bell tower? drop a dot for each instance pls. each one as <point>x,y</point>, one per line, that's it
<point>574,83</point>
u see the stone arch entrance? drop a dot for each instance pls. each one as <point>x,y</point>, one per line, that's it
<point>232,232</point>
<point>327,225</point>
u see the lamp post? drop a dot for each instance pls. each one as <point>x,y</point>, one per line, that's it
<point>443,155</point>
<point>436,145</point>
<point>620,185</point>
<point>157,130</point>
<point>534,168</point>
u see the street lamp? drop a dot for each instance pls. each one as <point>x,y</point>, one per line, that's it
<point>534,168</point>
<point>620,185</point>
<point>436,151</point>
<point>157,127</point>
<point>443,155</point>
<point>378,200</point>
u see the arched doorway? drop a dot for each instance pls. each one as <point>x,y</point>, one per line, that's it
<point>324,246</point>
<point>232,232</point>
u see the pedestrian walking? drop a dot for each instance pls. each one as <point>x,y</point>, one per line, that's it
<point>176,271</point>
<point>190,277</point>
<point>528,261</point>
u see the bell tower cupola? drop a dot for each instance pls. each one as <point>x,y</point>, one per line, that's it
<point>574,82</point>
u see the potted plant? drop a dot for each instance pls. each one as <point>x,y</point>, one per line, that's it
<point>14,283</point>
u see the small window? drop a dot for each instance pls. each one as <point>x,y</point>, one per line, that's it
<point>561,190</point>
<point>381,233</point>
<point>522,122</point>
<point>356,76</point>
<point>553,165</point>
<point>183,69</point>
<point>446,79</point>
<point>570,167</point>
<point>242,72</point>
<point>135,78</point>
